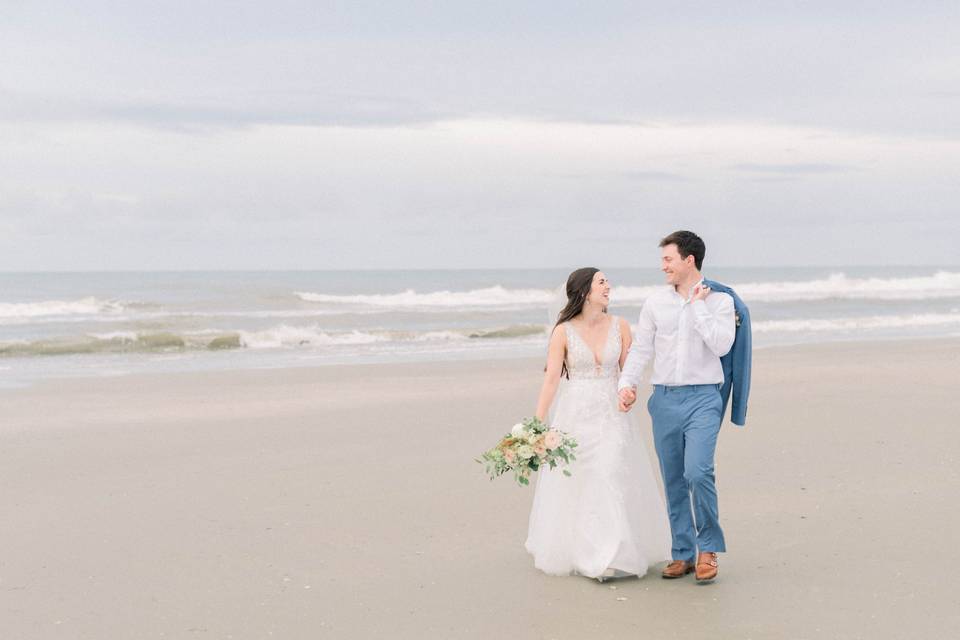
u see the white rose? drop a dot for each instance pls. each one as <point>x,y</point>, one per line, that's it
<point>517,430</point>
<point>525,451</point>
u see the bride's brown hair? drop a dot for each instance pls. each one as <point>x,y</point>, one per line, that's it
<point>579,284</point>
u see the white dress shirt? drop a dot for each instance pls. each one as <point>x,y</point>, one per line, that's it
<point>686,339</point>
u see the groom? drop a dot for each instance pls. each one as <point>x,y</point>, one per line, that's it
<point>686,329</point>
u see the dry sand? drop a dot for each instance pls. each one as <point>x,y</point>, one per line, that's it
<point>343,502</point>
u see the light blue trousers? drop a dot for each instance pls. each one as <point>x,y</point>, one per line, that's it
<point>686,422</point>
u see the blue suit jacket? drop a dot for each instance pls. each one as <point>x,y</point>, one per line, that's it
<point>736,364</point>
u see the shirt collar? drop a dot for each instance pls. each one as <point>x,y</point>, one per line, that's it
<point>690,293</point>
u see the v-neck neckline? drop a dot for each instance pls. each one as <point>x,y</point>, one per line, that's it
<point>603,348</point>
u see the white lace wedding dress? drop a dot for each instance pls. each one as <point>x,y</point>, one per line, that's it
<point>609,514</point>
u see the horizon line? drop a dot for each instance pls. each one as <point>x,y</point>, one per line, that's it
<point>511,268</point>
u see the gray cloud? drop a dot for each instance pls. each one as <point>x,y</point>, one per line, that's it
<point>369,64</point>
<point>655,176</point>
<point>794,169</point>
<point>370,134</point>
<point>303,110</point>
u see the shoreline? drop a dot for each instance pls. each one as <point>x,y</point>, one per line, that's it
<point>473,358</point>
<point>329,367</point>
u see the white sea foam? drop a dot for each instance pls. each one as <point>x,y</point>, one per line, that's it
<point>293,336</point>
<point>277,337</point>
<point>942,284</point>
<point>839,286</point>
<point>440,336</point>
<point>860,323</point>
<point>253,313</point>
<point>488,297</point>
<point>83,306</point>
<point>289,336</point>
<point>130,336</point>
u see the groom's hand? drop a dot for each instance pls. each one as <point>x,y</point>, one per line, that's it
<point>701,292</point>
<point>627,398</point>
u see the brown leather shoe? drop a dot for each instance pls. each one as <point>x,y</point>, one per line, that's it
<point>707,567</point>
<point>677,569</point>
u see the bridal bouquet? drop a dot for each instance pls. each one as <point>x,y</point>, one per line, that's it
<point>530,445</point>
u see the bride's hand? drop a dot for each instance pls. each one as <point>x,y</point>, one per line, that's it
<point>627,398</point>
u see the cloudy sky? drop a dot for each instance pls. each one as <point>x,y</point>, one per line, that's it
<point>312,135</point>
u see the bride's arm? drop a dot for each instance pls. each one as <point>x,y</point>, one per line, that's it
<point>626,339</point>
<point>551,378</point>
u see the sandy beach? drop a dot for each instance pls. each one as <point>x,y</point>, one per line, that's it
<point>344,502</point>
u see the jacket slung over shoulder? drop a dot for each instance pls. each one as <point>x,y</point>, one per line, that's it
<point>737,362</point>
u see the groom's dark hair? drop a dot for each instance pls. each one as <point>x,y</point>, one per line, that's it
<point>688,244</point>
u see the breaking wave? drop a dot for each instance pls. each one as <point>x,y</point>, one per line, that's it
<point>857,323</point>
<point>837,286</point>
<point>279,337</point>
<point>83,306</point>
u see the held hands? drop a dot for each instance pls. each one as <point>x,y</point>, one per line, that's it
<point>627,397</point>
<point>701,293</point>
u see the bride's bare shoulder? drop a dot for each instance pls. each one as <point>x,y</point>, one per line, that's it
<point>559,334</point>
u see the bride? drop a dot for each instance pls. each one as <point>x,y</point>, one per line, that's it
<point>607,519</point>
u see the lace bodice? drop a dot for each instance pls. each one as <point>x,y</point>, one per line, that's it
<point>581,362</point>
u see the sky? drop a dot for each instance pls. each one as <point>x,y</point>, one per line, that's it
<point>354,135</point>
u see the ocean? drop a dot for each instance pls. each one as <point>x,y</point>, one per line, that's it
<point>55,325</point>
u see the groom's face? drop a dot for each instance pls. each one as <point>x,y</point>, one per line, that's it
<point>675,267</point>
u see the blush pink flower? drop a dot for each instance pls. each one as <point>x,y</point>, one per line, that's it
<point>552,439</point>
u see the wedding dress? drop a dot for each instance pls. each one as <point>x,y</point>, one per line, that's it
<point>609,514</point>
